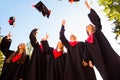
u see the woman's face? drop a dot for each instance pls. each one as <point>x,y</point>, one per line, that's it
<point>21,46</point>
<point>72,38</point>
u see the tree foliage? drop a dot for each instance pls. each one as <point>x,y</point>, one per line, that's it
<point>29,49</point>
<point>112,10</point>
<point>1,57</point>
<point>1,61</point>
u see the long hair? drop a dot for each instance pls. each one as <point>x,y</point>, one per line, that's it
<point>62,46</point>
<point>23,57</point>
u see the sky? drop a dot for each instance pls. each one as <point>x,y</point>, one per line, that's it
<point>28,18</point>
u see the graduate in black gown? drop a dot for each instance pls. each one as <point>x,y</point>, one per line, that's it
<point>38,64</point>
<point>106,60</point>
<point>16,63</point>
<point>87,63</point>
<point>55,60</point>
<point>74,69</point>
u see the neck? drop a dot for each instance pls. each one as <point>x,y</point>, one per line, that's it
<point>21,51</point>
<point>90,32</point>
<point>73,41</point>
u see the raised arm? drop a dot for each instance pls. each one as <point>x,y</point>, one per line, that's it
<point>93,16</point>
<point>32,37</point>
<point>5,44</point>
<point>62,36</point>
<point>45,44</point>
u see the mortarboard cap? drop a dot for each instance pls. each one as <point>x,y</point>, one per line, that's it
<point>42,8</point>
<point>11,21</point>
<point>73,1</point>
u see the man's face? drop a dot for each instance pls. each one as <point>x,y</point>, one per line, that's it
<point>60,45</point>
<point>72,38</point>
<point>90,28</point>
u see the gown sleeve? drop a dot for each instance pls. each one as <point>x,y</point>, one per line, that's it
<point>63,38</point>
<point>83,50</point>
<point>5,45</point>
<point>94,18</point>
<point>87,53</point>
<point>32,37</point>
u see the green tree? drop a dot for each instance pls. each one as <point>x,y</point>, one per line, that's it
<point>29,49</point>
<point>112,11</point>
<point>1,61</point>
<point>1,57</point>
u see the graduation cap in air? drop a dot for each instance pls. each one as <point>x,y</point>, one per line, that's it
<point>73,1</point>
<point>42,8</point>
<point>11,21</point>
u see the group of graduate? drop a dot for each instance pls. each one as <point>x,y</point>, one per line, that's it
<point>48,63</point>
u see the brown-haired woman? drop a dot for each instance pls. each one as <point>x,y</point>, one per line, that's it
<point>15,66</point>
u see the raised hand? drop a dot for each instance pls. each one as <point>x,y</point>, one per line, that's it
<point>9,35</point>
<point>87,5</point>
<point>47,36</point>
<point>63,22</point>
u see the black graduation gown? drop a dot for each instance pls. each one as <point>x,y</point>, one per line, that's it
<point>106,60</point>
<point>59,67</point>
<point>37,71</point>
<point>74,69</point>
<point>89,72</point>
<point>55,66</point>
<point>12,71</point>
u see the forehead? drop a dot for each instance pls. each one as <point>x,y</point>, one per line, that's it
<point>90,25</point>
<point>72,36</point>
<point>59,42</point>
<point>21,44</point>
